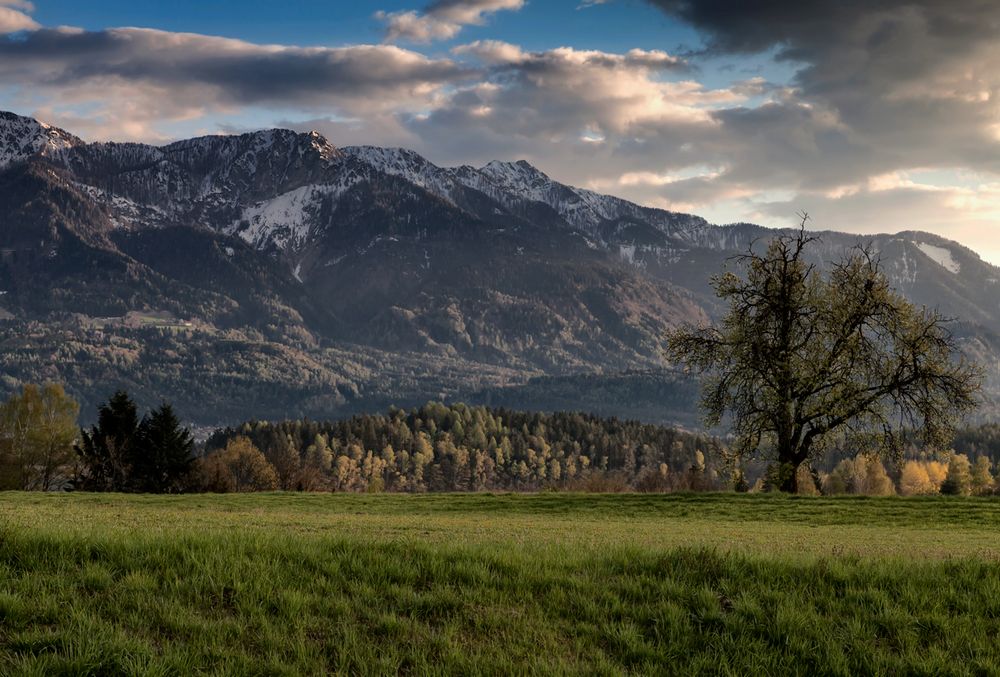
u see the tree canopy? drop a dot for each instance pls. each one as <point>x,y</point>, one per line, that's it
<point>106,450</point>
<point>165,453</point>
<point>122,453</point>
<point>37,431</point>
<point>804,357</point>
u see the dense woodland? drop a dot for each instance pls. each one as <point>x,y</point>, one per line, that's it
<point>435,447</point>
<point>461,448</point>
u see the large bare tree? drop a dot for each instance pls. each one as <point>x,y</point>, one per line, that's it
<point>802,358</point>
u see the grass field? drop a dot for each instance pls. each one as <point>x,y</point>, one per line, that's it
<point>506,584</point>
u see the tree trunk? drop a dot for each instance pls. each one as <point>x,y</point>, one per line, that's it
<point>788,464</point>
<point>789,474</point>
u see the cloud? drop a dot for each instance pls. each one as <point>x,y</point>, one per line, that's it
<point>912,82</point>
<point>15,16</point>
<point>589,117</point>
<point>894,202</point>
<point>441,20</point>
<point>145,76</point>
<point>566,91</point>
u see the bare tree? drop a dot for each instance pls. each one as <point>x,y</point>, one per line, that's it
<point>802,358</point>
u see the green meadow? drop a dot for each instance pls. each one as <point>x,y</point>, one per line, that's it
<point>552,583</point>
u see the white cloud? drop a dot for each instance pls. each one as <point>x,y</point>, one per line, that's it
<point>442,20</point>
<point>135,79</point>
<point>15,16</point>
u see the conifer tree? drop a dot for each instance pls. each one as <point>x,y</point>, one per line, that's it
<point>164,454</point>
<point>107,451</point>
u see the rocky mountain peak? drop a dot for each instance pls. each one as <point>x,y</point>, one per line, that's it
<point>23,137</point>
<point>521,173</point>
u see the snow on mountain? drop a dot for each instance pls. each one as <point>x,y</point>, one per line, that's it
<point>524,179</point>
<point>940,255</point>
<point>286,221</point>
<point>21,138</point>
<point>408,165</point>
<point>125,213</point>
<point>513,184</point>
<point>383,243</point>
<point>275,188</point>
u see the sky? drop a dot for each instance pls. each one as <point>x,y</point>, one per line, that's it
<point>870,115</point>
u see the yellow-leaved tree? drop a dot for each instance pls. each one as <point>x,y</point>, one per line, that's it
<point>37,431</point>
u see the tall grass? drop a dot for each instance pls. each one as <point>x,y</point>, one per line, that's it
<point>145,585</point>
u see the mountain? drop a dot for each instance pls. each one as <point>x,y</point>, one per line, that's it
<point>270,274</point>
<point>22,138</point>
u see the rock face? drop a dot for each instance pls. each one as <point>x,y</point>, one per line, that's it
<point>282,238</point>
<point>22,138</point>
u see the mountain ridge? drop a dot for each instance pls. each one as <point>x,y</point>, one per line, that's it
<point>290,246</point>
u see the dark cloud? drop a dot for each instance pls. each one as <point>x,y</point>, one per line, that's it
<point>806,30</point>
<point>915,80</point>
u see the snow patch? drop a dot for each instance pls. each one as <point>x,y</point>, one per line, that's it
<point>284,221</point>
<point>940,255</point>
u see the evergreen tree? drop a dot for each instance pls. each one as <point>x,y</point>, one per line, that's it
<point>107,451</point>
<point>164,454</point>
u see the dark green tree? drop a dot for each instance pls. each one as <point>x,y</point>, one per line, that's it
<point>107,451</point>
<point>164,454</point>
<point>802,359</point>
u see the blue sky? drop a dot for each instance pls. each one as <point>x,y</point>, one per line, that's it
<point>873,115</point>
<point>539,25</point>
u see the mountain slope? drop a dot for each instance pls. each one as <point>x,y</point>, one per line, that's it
<point>302,253</point>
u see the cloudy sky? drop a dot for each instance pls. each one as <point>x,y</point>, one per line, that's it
<point>872,115</point>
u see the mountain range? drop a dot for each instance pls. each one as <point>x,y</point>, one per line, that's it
<point>271,274</point>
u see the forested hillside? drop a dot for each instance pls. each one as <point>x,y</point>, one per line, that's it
<point>463,448</point>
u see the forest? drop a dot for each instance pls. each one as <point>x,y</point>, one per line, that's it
<point>433,448</point>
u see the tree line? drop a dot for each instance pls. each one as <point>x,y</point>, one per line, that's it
<point>457,447</point>
<point>435,447</point>
<point>41,447</point>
